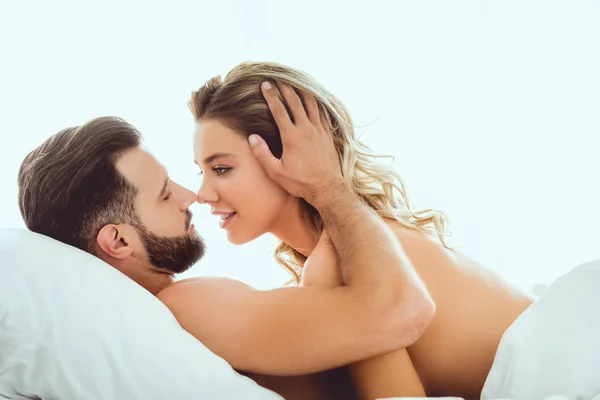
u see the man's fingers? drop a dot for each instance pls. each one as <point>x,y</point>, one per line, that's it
<point>280,114</point>
<point>269,162</point>
<point>311,107</point>
<point>294,103</point>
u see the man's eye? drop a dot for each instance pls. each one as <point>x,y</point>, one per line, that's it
<point>168,196</point>
<point>221,170</point>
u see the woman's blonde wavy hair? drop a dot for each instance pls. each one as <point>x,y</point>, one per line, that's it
<point>237,102</point>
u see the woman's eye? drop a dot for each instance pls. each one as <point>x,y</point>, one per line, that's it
<point>221,170</point>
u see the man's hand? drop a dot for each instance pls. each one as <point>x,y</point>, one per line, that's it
<point>309,166</point>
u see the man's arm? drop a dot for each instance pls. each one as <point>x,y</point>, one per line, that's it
<point>286,331</point>
<point>310,168</point>
<point>292,331</point>
<point>388,375</point>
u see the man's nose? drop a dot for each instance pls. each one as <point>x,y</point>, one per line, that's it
<point>186,198</point>
<point>189,198</point>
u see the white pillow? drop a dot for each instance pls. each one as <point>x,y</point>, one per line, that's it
<point>553,348</point>
<point>72,328</point>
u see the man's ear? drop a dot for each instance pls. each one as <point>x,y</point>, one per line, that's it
<point>115,241</point>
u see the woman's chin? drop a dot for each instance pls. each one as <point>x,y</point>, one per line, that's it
<point>238,239</point>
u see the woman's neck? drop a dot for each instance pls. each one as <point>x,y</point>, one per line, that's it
<point>294,229</point>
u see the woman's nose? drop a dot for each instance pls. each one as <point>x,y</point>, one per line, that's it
<point>206,194</point>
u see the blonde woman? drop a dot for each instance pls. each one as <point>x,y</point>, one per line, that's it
<point>240,120</point>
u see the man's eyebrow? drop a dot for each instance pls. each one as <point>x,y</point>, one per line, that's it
<point>215,156</point>
<point>164,188</point>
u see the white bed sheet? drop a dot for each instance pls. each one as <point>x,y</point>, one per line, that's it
<point>553,348</point>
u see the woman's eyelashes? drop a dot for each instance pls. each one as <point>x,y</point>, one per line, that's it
<point>221,170</point>
<point>217,170</point>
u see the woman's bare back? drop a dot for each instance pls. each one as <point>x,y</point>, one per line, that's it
<point>473,310</point>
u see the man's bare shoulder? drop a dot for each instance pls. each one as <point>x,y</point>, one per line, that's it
<point>195,300</point>
<point>206,281</point>
<point>213,310</point>
<point>208,288</point>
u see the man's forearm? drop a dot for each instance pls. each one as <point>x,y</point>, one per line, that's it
<point>369,251</point>
<point>377,272</point>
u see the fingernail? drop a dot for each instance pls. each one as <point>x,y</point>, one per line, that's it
<point>267,85</point>
<point>253,141</point>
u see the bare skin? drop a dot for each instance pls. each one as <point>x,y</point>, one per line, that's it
<point>454,355</point>
<point>476,307</point>
<point>296,331</point>
<point>298,334</point>
<point>334,384</point>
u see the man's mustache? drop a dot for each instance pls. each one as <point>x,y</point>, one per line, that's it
<point>188,220</point>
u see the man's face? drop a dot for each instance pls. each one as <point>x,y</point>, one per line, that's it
<point>162,220</point>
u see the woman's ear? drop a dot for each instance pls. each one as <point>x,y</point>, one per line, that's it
<point>114,241</point>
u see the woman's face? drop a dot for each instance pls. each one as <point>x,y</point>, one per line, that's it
<point>245,200</point>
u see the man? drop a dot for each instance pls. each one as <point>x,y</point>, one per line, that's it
<point>95,188</point>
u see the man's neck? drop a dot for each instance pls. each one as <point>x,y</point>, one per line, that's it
<point>140,272</point>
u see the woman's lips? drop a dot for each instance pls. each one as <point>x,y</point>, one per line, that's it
<point>226,219</point>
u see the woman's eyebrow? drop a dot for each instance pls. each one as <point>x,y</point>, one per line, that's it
<point>216,156</point>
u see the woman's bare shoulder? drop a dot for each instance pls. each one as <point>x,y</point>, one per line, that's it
<point>439,265</point>
<point>418,243</point>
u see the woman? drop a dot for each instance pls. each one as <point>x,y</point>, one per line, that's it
<point>474,307</point>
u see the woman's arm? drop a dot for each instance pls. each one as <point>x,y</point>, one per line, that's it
<point>387,375</point>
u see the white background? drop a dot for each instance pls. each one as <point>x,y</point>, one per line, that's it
<point>490,107</point>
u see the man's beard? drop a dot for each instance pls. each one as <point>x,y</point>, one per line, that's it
<point>172,254</point>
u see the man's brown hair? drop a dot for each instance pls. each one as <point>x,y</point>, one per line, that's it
<point>69,187</point>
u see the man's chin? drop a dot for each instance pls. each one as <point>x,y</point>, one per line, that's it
<point>174,254</point>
